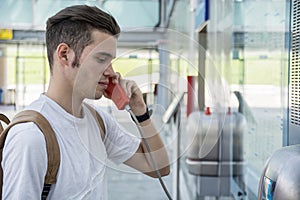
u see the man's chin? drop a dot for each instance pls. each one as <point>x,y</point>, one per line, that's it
<point>93,97</point>
<point>97,96</point>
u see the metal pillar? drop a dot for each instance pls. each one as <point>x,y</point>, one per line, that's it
<point>3,74</point>
<point>3,68</point>
<point>163,90</point>
<point>201,75</point>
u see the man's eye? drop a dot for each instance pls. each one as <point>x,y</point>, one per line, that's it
<point>101,60</point>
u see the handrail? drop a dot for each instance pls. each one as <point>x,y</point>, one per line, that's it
<point>244,108</point>
<point>173,111</point>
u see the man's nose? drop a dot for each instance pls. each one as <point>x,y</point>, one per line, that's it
<point>109,71</point>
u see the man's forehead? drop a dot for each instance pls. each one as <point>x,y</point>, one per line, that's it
<point>101,37</point>
<point>104,44</point>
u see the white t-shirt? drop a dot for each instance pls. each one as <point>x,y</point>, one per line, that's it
<point>84,156</point>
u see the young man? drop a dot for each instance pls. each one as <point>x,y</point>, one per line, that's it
<point>81,43</point>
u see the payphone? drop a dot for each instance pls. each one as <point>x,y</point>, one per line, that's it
<point>281,176</point>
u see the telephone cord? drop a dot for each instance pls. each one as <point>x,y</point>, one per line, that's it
<point>150,154</point>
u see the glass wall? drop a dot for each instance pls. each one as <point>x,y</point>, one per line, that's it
<point>26,73</point>
<point>24,14</point>
<point>247,51</point>
<point>260,72</point>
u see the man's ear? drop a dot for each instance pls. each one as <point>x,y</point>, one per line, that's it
<point>63,53</point>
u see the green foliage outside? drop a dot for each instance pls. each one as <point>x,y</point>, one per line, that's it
<point>33,69</point>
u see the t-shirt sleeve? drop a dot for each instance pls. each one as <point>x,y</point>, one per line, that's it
<point>24,162</point>
<point>120,145</point>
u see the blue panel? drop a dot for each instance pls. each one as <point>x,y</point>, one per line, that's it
<point>202,13</point>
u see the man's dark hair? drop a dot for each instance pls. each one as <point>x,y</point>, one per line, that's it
<point>73,25</point>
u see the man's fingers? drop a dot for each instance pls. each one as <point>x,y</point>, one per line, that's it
<point>116,78</point>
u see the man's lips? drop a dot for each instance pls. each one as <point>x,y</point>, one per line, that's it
<point>103,83</point>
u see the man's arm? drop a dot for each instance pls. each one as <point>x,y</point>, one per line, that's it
<point>141,159</point>
<point>24,162</point>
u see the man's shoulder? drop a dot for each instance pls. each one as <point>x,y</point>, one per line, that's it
<point>25,134</point>
<point>38,104</point>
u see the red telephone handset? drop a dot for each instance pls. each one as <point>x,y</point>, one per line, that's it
<point>116,93</point>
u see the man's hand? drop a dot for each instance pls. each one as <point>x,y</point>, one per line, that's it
<point>133,92</point>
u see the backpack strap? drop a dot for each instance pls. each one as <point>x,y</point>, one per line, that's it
<point>53,152</point>
<point>45,192</point>
<point>7,121</point>
<point>4,119</point>
<point>99,120</point>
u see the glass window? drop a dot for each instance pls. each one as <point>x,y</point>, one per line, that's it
<point>33,14</point>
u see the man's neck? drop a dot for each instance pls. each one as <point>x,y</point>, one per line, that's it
<point>66,99</point>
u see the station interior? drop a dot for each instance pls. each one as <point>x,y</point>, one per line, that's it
<point>221,78</point>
